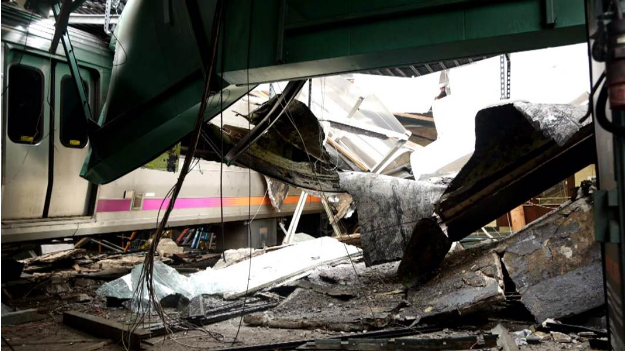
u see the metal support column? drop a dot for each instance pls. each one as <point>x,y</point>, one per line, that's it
<point>62,15</point>
<point>295,219</point>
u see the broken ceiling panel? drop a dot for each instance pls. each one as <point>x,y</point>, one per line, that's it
<point>521,149</point>
<point>388,210</point>
<point>297,127</point>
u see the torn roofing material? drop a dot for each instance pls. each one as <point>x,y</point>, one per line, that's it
<point>521,149</point>
<point>388,210</point>
<point>272,157</point>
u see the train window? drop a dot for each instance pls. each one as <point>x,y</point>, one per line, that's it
<point>73,121</point>
<point>25,120</point>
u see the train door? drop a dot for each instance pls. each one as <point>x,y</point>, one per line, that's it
<point>71,195</point>
<point>25,139</point>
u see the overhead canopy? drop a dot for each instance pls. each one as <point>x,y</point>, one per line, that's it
<point>157,81</point>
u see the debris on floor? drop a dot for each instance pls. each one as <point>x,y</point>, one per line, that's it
<point>321,294</point>
<point>555,262</point>
<point>343,297</point>
<point>267,270</point>
<point>467,282</point>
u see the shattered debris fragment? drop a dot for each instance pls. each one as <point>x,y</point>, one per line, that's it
<point>426,249</point>
<point>555,262</point>
<point>467,282</point>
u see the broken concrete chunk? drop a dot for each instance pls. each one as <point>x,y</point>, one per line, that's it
<point>566,295</point>
<point>388,210</point>
<point>456,289</point>
<point>505,342</point>
<point>555,262</point>
<point>167,246</point>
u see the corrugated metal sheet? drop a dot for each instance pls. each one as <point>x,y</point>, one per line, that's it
<point>423,69</point>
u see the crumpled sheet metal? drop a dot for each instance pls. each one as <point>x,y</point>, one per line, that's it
<point>231,282</point>
<point>388,211</point>
<point>558,122</point>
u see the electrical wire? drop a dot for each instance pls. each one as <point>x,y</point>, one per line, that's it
<point>249,177</point>
<point>146,278</point>
<point>288,115</point>
<point>591,97</point>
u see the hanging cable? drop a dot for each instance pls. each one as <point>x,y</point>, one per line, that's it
<point>147,272</point>
<point>249,177</point>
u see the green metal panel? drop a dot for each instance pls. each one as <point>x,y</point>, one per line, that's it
<point>156,87</point>
<point>329,37</point>
<point>154,92</point>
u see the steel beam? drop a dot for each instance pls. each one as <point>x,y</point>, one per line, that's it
<point>364,35</point>
<point>61,14</point>
<point>292,40</point>
<point>81,18</point>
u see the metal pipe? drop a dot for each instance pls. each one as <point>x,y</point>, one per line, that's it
<point>295,219</point>
<point>106,245</point>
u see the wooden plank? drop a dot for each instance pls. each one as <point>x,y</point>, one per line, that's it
<point>23,316</point>
<point>348,155</point>
<point>415,116</point>
<point>399,344</point>
<point>517,216</point>
<point>102,327</point>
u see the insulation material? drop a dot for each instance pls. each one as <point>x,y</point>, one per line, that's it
<point>231,282</point>
<point>388,211</point>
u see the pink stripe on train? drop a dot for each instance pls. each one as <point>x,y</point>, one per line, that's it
<point>113,205</point>
<point>109,205</point>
